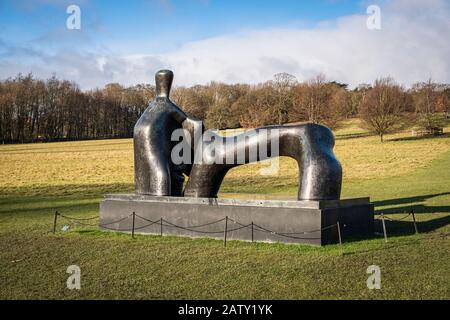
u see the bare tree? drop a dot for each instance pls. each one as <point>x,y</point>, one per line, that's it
<point>195,100</point>
<point>256,106</point>
<point>429,104</point>
<point>42,110</point>
<point>220,114</point>
<point>283,85</point>
<point>383,107</point>
<point>319,101</point>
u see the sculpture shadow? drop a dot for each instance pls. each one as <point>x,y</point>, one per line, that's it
<point>397,227</point>
<point>416,203</point>
<point>411,203</point>
<point>400,228</point>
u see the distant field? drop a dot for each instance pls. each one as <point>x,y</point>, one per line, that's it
<point>71,177</point>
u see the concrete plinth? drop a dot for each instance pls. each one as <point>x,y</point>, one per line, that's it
<point>309,222</point>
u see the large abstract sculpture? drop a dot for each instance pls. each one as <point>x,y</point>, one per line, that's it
<point>320,173</point>
<point>163,201</point>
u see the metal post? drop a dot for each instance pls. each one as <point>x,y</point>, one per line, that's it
<point>161,225</point>
<point>252,232</point>
<point>132,230</point>
<point>340,237</point>
<point>414,221</point>
<point>225,232</point>
<point>384,228</point>
<point>54,221</point>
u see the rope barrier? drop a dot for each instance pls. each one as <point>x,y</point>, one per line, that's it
<point>205,232</point>
<point>289,233</point>
<point>129,229</point>
<point>208,224</point>
<point>188,228</point>
<point>259,228</point>
<point>383,218</point>
<point>391,219</point>
<point>80,219</point>
<point>77,220</point>
<point>166,223</point>
<point>145,219</point>
<point>110,223</point>
<point>170,224</point>
<point>194,228</point>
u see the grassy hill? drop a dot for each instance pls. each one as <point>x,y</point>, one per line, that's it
<point>400,174</point>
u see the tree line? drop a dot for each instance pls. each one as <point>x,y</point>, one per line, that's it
<point>34,110</point>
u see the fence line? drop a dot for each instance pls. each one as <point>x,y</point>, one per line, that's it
<point>383,218</point>
<point>253,226</point>
<point>401,219</point>
<point>165,223</point>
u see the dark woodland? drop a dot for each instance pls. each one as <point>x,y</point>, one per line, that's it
<point>36,110</point>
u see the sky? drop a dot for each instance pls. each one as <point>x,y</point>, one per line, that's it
<point>224,40</point>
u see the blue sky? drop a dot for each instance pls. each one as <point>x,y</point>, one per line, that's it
<point>159,25</point>
<point>208,37</point>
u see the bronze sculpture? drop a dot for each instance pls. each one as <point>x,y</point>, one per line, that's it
<point>155,174</point>
<point>163,201</point>
<point>311,145</point>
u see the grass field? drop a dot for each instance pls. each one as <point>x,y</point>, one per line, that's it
<point>400,174</point>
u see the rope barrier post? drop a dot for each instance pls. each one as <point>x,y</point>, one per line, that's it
<point>340,237</point>
<point>132,229</point>
<point>384,228</point>
<point>161,224</point>
<point>54,221</point>
<point>252,232</point>
<point>225,232</point>
<point>414,221</point>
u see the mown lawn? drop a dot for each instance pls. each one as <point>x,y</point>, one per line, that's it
<point>400,174</point>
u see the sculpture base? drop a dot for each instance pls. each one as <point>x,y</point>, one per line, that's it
<point>307,222</point>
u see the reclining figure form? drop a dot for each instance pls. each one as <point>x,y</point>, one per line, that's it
<point>311,145</point>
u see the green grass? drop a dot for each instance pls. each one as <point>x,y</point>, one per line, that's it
<point>398,175</point>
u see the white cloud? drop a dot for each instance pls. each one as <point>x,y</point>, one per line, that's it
<point>411,46</point>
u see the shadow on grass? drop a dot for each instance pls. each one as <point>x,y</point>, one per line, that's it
<point>401,228</point>
<point>29,195</point>
<point>82,198</point>
<point>56,151</point>
<point>396,229</point>
<point>406,227</point>
<point>51,208</point>
<point>353,135</point>
<point>418,208</point>
<point>445,135</point>
<point>47,147</point>
<point>414,199</point>
<point>414,205</point>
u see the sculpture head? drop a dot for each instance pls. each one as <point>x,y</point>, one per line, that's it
<point>163,80</point>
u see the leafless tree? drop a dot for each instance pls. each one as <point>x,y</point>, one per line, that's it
<point>429,104</point>
<point>44,110</point>
<point>319,101</point>
<point>383,107</point>
<point>283,85</point>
